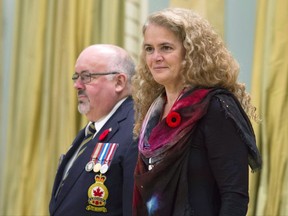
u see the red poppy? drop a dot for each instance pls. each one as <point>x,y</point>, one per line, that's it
<point>173,119</point>
<point>104,134</point>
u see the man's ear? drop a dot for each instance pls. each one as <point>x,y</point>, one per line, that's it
<point>121,81</point>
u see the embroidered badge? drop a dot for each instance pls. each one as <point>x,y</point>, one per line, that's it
<point>97,195</point>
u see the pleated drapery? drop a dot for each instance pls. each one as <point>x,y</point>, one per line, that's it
<point>47,37</point>
<point>270,93</point>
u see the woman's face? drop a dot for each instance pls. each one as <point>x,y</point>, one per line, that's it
<point>164,54</point>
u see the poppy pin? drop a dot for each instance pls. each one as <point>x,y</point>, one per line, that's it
<point>173,119</point>
<point>104,134</point>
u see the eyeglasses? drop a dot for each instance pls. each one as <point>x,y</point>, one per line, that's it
<point>85,76</point>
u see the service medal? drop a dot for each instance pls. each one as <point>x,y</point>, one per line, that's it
<point>98,193</point>
<point>104,168</point>
<point>97,167</point>
<point>89,166</point>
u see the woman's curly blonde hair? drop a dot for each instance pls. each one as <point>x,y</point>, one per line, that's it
<point>207,62</point>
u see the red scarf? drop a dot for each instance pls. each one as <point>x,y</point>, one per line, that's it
<point>166,142</point>
<point>163,191</point>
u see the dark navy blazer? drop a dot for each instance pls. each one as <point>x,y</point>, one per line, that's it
<point>73,196</point>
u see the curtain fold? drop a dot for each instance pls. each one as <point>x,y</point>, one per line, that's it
<point>1,65</point>
<point>43,118</point>
<point>270,90</point>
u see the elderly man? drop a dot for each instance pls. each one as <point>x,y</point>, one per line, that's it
<point>95,177</point>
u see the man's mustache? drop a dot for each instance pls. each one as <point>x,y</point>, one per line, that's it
<point>81,92</point>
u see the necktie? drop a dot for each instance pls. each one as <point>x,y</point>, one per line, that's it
<point>90,132</point>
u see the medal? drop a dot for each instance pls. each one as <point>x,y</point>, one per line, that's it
<point>103,153</point>
<point>104,168</point>
<point>89,166</point>
<point>97,195</point>
<point>98,192</point>
<point>97,167</point>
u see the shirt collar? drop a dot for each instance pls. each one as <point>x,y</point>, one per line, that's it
<point>101,122</point>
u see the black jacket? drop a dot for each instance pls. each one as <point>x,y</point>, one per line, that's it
<point>72,199</point>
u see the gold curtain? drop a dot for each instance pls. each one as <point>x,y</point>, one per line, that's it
<point>270,93</point>
<point>1,61</point>
<point>213,10</point>
<point>43,119</point>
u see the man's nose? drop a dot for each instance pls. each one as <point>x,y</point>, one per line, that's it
<point>78,84</point>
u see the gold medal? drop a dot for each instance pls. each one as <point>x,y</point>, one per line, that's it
<point>97,167</point>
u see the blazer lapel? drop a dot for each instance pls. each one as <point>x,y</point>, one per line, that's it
<point>65,158</point>
<point>75,171</point>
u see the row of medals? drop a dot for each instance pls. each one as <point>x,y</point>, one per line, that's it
<point>96,167</point>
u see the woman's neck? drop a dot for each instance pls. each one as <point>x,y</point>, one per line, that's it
<point>171,98</point>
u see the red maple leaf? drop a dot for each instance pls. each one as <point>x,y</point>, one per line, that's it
<point>97,192</point>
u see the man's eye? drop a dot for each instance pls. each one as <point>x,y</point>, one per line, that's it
<point>75,76</point>
<point>85,76</point>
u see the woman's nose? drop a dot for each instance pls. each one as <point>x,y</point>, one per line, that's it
<point>157,56</point>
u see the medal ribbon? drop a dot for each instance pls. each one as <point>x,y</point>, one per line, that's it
<point>111,153</point>
<point>103,152</point>
<point>96,151</point>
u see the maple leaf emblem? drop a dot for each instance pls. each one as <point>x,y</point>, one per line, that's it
<point>98,192</point>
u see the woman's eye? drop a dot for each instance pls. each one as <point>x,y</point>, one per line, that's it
<point>148,49</point>
<point>166,48</point>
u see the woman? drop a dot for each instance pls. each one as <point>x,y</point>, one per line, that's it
<point>192,120</point>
